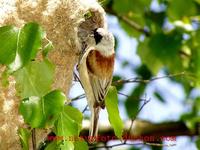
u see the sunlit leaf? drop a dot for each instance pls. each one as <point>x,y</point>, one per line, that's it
<point>162,50</point>
<point>133,101</point>
<point>69,122</point>
<point>24,135</point>
<point>8,44</point>
<point>34,79</point>
<point>42,112</point>
<point>177,9</point>
<point>111,103</point>
<point>81,145</point>
<point>30,38</point>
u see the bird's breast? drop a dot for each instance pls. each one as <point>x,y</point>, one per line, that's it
<point>99,65</point>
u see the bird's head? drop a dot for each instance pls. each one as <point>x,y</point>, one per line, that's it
<point>104,41</point>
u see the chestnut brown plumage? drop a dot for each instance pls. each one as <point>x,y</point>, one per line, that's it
<point>95,71</point>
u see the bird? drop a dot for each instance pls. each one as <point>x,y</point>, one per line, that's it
<point>95,69</point>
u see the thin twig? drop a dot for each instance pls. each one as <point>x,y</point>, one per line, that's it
<point>78,97</point>
<point>133,118</point>
<point>127,96</point>
<point>33,132</point>
<point>160,145</point>
<point>85,109</point>
<point>137,80</point>
<point>123,94</point>
<point>133,144</point>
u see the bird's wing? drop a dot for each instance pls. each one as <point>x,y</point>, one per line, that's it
<point>100,69</point>
<point>100,88</point>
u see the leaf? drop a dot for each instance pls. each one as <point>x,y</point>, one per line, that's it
<point>30,39</point>
<point>67,145</point>
<point>111,103</point>
<point>60,145</point>
<point>75,114</point>
<point>198,143</point>
<point>34,79</point>
<point>162,49</point>
<point>144,72</point>
<point>24,135</point>
<point>177,9</point>
<point>42,112</point>
<point>69,122</point>
<point>80,145</point>
<point>8,42</point>
<point>133,11</point>
<point>118,86</point>
<point>159,97</point>
<point>68,126</point>
<point>148,58</point>
<point>192,118</point>
<point>52,146</point>
<point>133,101</point>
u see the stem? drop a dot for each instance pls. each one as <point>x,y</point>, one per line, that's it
<point>34,138</point>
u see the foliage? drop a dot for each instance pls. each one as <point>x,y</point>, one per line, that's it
<point>41,107</point>
<point>167,32</point>
<point>168,36</point>
<point>111,103</point>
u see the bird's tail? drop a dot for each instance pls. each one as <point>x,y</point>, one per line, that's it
<point>94,123</point>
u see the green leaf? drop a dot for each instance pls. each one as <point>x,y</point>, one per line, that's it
<point>137,7</point>
<point>67,145</point>
<point>42,112</point>
<point>8,42</point>
<point>133,101</point>
<point>69,122</point>
<point>162,49</point>
<point>133,11</point>
<point>34,79</point>
<point>81,145</point>
<point>177,9</point>
<point>111,103</point>
<point>144,72</point>
<point>24,135</point>
<point>75,115</point>
<point>198,143</point>
<point>30,39</point>
<point>118,86</point>
<point>148,58</point>
<point>159,97</point>
<point>192,119</point>
<point>52,146</point>
<point>60,145</point>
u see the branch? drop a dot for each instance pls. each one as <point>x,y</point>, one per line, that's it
<point>145,128</point>
<point>138,80</point>
<point>130,22</point>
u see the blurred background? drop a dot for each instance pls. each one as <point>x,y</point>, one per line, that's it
<point>156,38</point>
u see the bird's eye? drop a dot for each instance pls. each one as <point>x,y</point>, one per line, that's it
<point>97,36</point>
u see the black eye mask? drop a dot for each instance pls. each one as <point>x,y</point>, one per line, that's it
<point>97,36</point>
